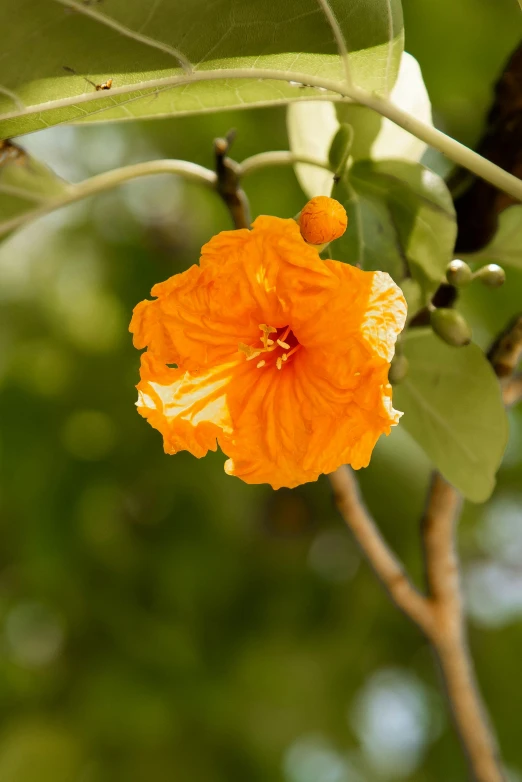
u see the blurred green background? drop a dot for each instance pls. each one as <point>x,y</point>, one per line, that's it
<point>161,621</point>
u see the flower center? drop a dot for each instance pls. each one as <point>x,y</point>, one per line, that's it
<point>279,344</point>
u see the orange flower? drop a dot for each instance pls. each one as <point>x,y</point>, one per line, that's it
<point>279,356</point>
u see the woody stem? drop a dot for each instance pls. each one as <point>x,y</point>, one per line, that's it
<point>380,556</point>
<point>438,614</point>
<point>227,184</point>
<point>449,639</point>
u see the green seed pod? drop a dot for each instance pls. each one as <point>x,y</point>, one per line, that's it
<point>491,275</point>
<point>450,326</point>
<point>398,369</point>
<point>458,273</point>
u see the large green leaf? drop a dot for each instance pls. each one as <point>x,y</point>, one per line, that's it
<point>401,221</point>
<point>26,185</point>
<point>453,408</point>
<point>506,245</point>
<point>144,46</point>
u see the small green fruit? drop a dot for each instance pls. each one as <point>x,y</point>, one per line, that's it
<point>458,273</point>
<point>492,275</point>
<point>398,369</point>
<point>450,326</point>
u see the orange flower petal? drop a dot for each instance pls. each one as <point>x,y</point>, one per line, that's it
<point>385,315</point>
<point>281,357</point>
<point>189,410</point>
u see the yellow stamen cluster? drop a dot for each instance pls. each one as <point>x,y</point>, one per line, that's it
<point>268,346</point>
<point>265,339</point>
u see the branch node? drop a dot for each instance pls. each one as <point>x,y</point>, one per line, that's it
<point>228,181</point>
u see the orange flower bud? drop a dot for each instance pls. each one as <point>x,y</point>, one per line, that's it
<point>322,220</point>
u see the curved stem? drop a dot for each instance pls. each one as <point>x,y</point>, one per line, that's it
<point>448,146</point>
<point>110,179</point>
<point>277,158</point>
<point>453,149</point>
<point>179,80</point>
<point>189,171</point>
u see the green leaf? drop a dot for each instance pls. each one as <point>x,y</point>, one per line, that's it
<point>313,129</point>
<point>506,245</point>
<point>401,220</point>
<point>453,408</point>
<point>144,47</point>
<point>378,138</point>
<point>26,185</point>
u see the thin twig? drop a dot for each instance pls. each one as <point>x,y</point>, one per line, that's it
<point>278,158</point>
<point>228,173</point>
<point>117,176</point>
<point>383,560</point>
<point>108,180</point>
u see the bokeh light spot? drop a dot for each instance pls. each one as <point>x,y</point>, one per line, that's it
<point>34,634</point>
<point>391,717</point>
<point>313,759</point>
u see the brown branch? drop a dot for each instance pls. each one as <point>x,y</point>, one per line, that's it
<point>382,559</point>
<point>227,184</point>
<point>449,638</point>
<point>440,614</point>
<point>506,351</point>
<point>442,570</point>
<point>444,505</point>
<point>512,391</point>
<point>479,206</point>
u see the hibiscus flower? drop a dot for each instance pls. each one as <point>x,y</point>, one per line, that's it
<point>279,357</point>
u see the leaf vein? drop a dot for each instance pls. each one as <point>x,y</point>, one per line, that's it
<point>127,31</point>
